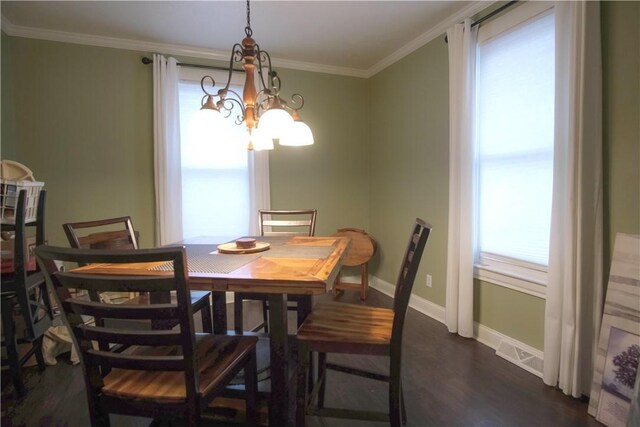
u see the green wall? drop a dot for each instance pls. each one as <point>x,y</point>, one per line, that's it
<point>409,159</point>
<point>8,129</point>
<point>621,120</point>
<point>331,175</point>
<point>81,118</point>
<point>84,124</point>
<point>409,163</point>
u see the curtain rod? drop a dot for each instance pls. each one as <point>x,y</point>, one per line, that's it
<point>147,61</point>
<point>489,15</point>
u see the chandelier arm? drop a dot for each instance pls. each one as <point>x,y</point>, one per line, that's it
<point>262,102</point>
<point>213,84</point>
<point>227,105</point>
<point>235,98</point>
<point>297,102</point>
<point>262,56</point>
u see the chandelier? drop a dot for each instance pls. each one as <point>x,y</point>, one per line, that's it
<point>267,116</point>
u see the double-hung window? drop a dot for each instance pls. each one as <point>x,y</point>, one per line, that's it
<point>214,167</point>
<point>515,70</point>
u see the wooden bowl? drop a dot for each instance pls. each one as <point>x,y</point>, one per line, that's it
<point>246,243</point>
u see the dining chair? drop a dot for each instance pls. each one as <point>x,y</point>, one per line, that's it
<point>170,373</point>
<point>300,222</point>
<point>118,233</point>
<point>24,295</point>
<point>335,327</point>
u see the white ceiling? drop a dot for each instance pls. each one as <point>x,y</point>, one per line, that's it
<point>343,37</point>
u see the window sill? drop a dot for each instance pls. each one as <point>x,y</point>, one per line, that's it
<point>531,286</point>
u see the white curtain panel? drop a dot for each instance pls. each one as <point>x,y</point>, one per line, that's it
<point>166,150</point>
<point>575,283</point>
<point>259,191</point>
<point>461,244</point>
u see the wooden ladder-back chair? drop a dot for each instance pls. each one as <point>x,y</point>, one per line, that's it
<point>118,233</point>
<point>335,327</point>
<point>170,373</point>
<point>301,222</point>
<point>24,293</point>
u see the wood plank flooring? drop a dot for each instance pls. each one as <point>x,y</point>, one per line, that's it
<point>448,381</point>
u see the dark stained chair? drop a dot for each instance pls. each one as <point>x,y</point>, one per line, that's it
<point>118,233</point>
<point>301,222</point>
<point>335,327</point>
<point>170,373</point>
<point>24,294</point>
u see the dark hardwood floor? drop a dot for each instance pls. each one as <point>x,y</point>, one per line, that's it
<point>448,381</point>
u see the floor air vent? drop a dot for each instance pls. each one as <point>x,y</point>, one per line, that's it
<point>528,359</point>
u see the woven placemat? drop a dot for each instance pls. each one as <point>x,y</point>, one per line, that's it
<point>211,263</point>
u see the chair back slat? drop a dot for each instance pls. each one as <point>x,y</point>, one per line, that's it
<point>301,222</point>
<point>112,233</point>
<point>117,336</point>
<point>120,311</point>
<point>94,282</point>
<point>408,270</point>
<point>169,349</point>
<point>169,362</point>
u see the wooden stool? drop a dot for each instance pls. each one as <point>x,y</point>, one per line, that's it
<point>363,247</point>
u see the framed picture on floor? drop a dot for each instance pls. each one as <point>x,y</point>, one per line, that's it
<point>618,355</point>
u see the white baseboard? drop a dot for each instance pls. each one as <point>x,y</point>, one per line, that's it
<point>416,302</point>
<point>483,334</point>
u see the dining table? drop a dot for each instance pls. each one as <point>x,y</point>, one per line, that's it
<point>290,265</point>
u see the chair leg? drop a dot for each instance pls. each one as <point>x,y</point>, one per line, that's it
<point>11,342</point>
<point>207,321</point>
<point>237,314</point>
<point>265,316</point>
<point>395,412</point>
<point>302,392</point>
<point>37,345</point>
<point>402,407</point>
<point>322,376</point>
<point>251,389</point>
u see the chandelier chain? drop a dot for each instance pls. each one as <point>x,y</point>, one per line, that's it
<point>247,29</point>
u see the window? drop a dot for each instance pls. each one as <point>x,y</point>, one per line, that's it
<point>515,133</point>
<point>215,176</point>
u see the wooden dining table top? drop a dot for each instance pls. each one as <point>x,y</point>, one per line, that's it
<point>290,266</point>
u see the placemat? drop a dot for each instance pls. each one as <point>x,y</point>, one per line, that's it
<point>201,260</point>
<point>211,263</point>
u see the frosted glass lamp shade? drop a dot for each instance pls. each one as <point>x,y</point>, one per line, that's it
<point>260,141</point>
<point>210,125</point>
<point>297,134</point>
<point>274,123</point>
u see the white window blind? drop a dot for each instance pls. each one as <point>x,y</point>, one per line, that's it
<point>215,173</point>
<point>515,119</point>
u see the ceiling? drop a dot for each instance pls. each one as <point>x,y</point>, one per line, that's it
<point>343,37</point>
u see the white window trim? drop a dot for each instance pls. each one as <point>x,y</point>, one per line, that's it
<point>514,274</point>
<point>510,273</point>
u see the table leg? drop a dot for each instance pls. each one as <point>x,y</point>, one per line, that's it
<point>304,308</point>
<point>279,400</point>
<point>219,312</point>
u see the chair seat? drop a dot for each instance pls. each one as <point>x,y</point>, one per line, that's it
<point>217,355</point>
<point>332,325</point>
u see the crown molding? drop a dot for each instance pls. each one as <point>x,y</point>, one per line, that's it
<point>167,49</point>
<point>181,50</point>
<point>426,37</point>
